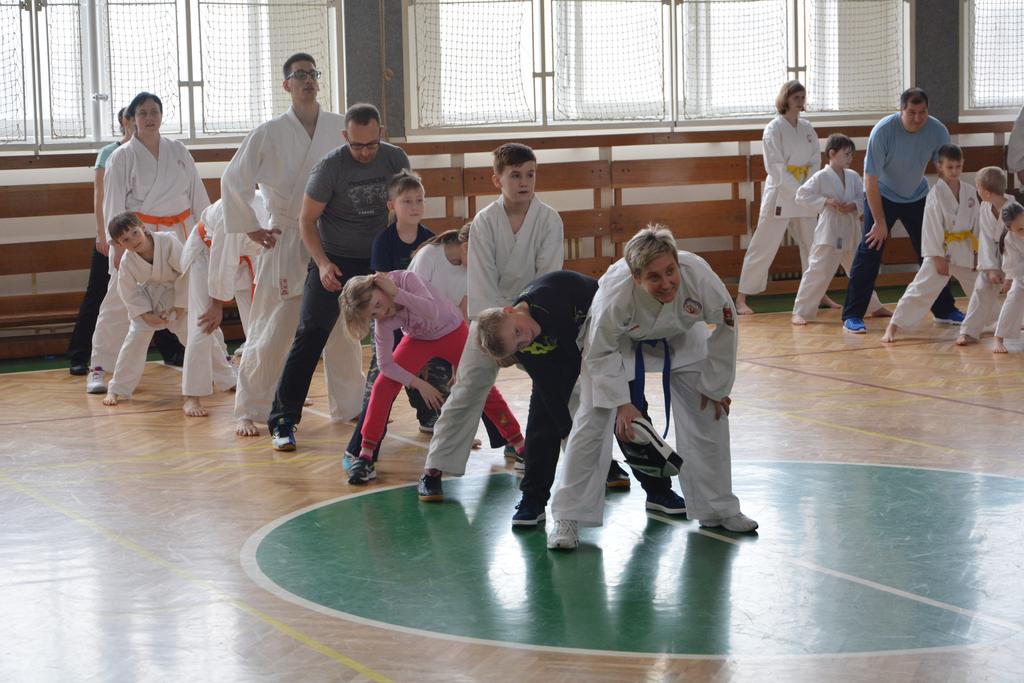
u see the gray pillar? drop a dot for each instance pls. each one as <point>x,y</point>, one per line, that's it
<point>937,56</point>
<point>364,70</point>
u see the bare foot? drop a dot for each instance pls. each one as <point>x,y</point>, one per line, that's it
<point>798,320</point>
<point>890,334</point>
<point>997,347</point>
<point>193,407</point>
<point>826,302</point>
<point>741,306</point>
<point>246,427</point>
<point>881,312</point>
<point>965,340</point>
<point>111,399</point>
<point>308,402</point>
<point>477,444</point>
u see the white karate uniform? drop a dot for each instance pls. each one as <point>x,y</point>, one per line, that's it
<point>944,215</point>
<point>279,156</point>
<point>1015,146</point>
<point>431,265</point>
<point>134,180</point>
<point>500,266</point>
<point>1012,314</point>
<point>983,308</point>
<point>791,156</point>
<point>622,315</point>
<point>217,268</point>
<point>160,287</point>
<point>835,236</point>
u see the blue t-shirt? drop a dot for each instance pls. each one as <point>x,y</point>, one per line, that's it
<point>389,252</point>
<point>898,158</point>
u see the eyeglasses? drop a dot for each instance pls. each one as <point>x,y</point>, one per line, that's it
<point>359,146</point>
<point>301,75</point>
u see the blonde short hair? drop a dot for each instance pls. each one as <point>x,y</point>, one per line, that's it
<point>648,244</point>
<point>992,178</point>
<point>355,304</point>
<point>490,323</point>
<point>788,89</point>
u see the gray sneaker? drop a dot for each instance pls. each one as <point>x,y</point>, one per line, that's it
<point>97,383</point>
<point>564,536</point>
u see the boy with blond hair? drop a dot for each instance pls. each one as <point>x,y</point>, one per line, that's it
<point>984,306</point>
<point>516,239</point>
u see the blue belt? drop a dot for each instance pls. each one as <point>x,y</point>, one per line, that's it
<point>636,387</point>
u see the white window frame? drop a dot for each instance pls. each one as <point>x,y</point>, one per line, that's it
<point>967,112</point>
<point>38,136</point>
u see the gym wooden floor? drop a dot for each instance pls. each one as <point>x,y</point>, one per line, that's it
<point>126,534</point>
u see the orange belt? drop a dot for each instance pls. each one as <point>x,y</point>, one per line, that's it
<point>164,220</point>
<point>244,259</point>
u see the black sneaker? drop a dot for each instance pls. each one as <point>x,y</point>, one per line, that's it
<point>79,369</point>
<point>429,489</point>
<point>282,435</point>
<point>618,479</point>
<point>669,503</point>
<point>176,361</point>
<point>528,513</point>
<point>361,472</point>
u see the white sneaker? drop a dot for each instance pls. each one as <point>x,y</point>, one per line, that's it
<point>97,383</point>
<point>564,536</point>
<point>738,523</point>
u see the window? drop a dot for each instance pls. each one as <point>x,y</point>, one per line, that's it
<point>539,62</point>
<point>995,54</point>
<point>70,65</point>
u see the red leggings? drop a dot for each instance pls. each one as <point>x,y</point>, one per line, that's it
<point>412,354</point>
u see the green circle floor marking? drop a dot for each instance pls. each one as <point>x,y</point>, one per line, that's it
<point>851,559</point>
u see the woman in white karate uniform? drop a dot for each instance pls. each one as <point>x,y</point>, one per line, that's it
<point>156,179</point>
<point>791,156</point>
<point>654,293</point>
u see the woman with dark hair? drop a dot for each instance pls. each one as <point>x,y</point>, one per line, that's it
<point>156,179</point>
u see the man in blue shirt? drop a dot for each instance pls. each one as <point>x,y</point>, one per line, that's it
<point>899,149</point>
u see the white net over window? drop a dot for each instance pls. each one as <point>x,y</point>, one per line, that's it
<point>244,44</point>
<point>996,38</point>
<point>13,123</point>
<point>855,54</point>
<point>64,74</point>
<point>141,45</point>
<point>474,62</point>
<point>610,58</point>
<point>734,56</point>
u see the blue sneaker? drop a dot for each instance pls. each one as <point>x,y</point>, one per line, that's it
<point>669,502</point>
<point>954,317</point>
<point>283,436</point>
<point>854,326</point>
<point>347,460</point>
<point>528,513</point>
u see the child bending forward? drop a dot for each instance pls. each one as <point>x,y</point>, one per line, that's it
<point>433,327</point>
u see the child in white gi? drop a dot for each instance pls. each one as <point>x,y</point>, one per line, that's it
<point>155,291</point>
<point>1012,248</point>
<point>837,193</point>
<point>948,243</point>
<point>654,293</point>
<point>515,240</point>
<point>984,306</point>
<point>219,268</point>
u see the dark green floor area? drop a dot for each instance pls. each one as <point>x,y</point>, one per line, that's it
<point>850,558</point>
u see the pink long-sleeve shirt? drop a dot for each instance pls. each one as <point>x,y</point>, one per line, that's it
<point>425,314</point>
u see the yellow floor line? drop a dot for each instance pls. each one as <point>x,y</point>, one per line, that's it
<point>155,559</point>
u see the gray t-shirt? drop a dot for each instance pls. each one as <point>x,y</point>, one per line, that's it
<point>356,196</point>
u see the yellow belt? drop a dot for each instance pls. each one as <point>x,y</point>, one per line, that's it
<point>798,172</point>
<point>962,236</point>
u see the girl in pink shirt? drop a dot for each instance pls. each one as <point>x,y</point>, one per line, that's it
<point>433,327</point>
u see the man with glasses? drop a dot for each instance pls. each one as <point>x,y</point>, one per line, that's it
<point>278,156</point>
<point>344,209</point>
